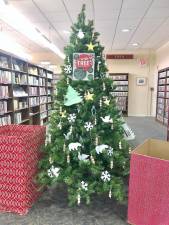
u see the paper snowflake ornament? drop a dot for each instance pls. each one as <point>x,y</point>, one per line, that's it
<point>80,34</point>
<point>88,96</point>
<point>110,151</point>
<point>53,172</point>
<point>84,185</point>
<point>105,176</point>
<point>88,126</point>
<point>71,118</point>
<point>68,69</point>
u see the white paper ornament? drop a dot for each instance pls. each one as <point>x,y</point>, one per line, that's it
<point>101,148</point>
<point>92,159</point>
<point>111,164</point>
<point>80,34</point>
<point>78,199</point>
<point>105,176</point>
<point>84,185</point>
<point>83,157</point>
<point>120,145</point>
<point>110,194</point>
<point>53,172</point>
<point>107,119</point>
<point>68,158</point>
<point>74,146</point>
<point>88,126</point>
<point>68,69</point>
<point>71,118</point>
<point>110,151</point>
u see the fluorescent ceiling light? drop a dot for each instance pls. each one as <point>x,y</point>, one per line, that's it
<point>125,30</point>
<point>45,62</point>
<point>20,23</point>
<point>9,45</point>
<point>135,44</point>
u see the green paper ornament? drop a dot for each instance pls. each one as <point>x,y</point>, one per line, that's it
<point>72,97</point>
<point>79,74</point>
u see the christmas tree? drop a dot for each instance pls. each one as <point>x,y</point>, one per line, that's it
<point>87,151</point>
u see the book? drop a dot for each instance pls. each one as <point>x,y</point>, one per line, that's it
<point>5,77</point>
<point>19,92</point>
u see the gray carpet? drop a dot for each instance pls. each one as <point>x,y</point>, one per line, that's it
<point>52,208</point>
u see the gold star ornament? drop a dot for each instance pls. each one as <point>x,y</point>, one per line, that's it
<point>63,114</point>
<point>106,101</point>
<point>90,46</point>
<point>88,96</point>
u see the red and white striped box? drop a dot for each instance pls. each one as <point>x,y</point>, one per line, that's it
<point>19,155</point>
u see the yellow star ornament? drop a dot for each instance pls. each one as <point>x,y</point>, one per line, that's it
<point>106,101</point>
<point>88,96</point>
<point>90,46</point>
<point>63,114</point>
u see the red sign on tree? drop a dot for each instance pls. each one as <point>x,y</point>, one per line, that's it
<point>83,66</point>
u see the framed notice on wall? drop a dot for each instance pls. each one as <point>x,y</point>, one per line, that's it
<point>83,66</point>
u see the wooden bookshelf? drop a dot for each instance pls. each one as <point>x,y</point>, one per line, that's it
<point>121,91</point>
<point>163,96</point>
<point>23,88</point>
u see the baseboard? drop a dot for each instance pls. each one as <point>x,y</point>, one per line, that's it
<point>140,115</point>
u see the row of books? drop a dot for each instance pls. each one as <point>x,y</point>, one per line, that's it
<point>33,80</point>
<point>18,117</point>
<point>3,107</point>
<point>162,74</point>
<point>33,70</point>
<point>19,65</point>
<point>33,101</point>
<point>43,107</point>
<point>42,91</point>
<point>119,77</point>
<point>49,75</point>
<point>5,120</point>
<point>19,78</point>
<point>122,88</point>
<point>49,91</point>
<point>42,82</point>
<point>4,62</point>
<point>5,77</point>
<point>43,99</point>
<point>33,91</point>
<point>20,104</point>
<point>4,92</point>
<point>120,82</point>
<point>114,94</point>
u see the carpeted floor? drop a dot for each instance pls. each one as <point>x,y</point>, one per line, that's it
<point>52,208</point>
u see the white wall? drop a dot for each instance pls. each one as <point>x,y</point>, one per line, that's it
<point>139,96</point>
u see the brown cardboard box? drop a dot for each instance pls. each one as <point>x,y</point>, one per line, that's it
<point>149,182</point>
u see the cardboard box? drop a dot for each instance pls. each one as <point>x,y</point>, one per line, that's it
<point>149,184</point>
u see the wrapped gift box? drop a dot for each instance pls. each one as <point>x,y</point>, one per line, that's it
<point>19,155</point>
<point>149,184</point>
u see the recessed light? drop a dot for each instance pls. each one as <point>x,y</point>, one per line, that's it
<point>125,30</point>
<point>135,44</point>
<point>66,32</point>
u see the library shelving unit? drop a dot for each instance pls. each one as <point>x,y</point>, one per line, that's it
<point>26,91</point>
<point>163,96</point>
<point>168,127</point>
<point>121,91</point>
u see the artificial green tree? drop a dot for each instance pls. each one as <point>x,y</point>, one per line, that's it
<point>87,151</point>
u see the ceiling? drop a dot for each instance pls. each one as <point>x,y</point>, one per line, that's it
<point>148,21</point>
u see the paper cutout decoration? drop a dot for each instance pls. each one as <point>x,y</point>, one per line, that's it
<point>83,66</point>
<point>72,97</point>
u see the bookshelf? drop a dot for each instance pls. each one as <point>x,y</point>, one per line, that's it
<point>163,96</point>
<point>26,91</point>
<point>121,91</point>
